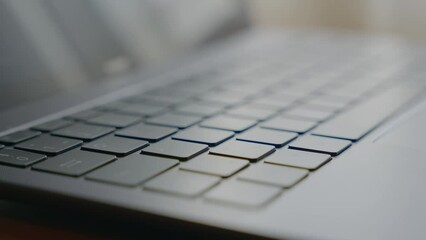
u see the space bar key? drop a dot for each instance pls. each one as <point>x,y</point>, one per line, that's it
<point>360,120</point>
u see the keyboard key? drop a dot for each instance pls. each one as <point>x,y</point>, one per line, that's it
<point>211,137</point>
<point>197,109</point>
<point>267,136</point>
<point>353,90</point>
<point>279,176</point>
<point>112,106</point>
<point>245,150</point>
<point>142,110</point>
<point>146,132</point>
<point>52,125</point>
<point>347,125</point>
<point>172,91</point>
<point>228,123</point>
<point>284,97</point>
<point>18,137</point>
<point>19,158</point>
<point>114,120</point>
<point>182,183</point>
<point>270,104</point>
<point>175,149</point>
<point>273,102</point>
<point>144,100</point>
<point>163,100</point>
<point>251,112</point>
<point>292,90</point>
<point>319,107</point>
<point>227,97</point>
<point>83,131</point>
<point>74,163</point>
<point>331,101</point>
<point>308,114</point>
<point>321,145</point>
<point>215,165</point>
<point>212,104</point>
<point>243,194</point>
<point>132,170</point>
<point>246,86</point>
<point>49,145</point>
<point>1,146</point>
<point>286,124</point>
<point>174,120</point>
<point>198,83</point>
<point>115,145</point>
<point>84,115</point>
<point>299,159</point>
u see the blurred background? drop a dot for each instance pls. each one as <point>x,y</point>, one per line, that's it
<point>405,18</point>
<point>57,45</point>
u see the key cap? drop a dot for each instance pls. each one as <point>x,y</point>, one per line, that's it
<point>214,165</point>
<point>198,83</point>
<point>52,125</point>
<point>286,124</point>
<point>112,106</point>
<point>271,103</point>
<point>142,110</point>
<point>292,91</point>
<point>228,123</point>
<point>308,114</point>
<point>74,163</point>
<point>172,91</point>
<point>132,170</point>
<point>19,136</point>
<point>212,104</point>
<point>353,90</point>
<point>19,158</point>
<point>299,159</point>
<point>319,107</point>
<point>331,101</point>
<point>284,97</point>
<point>146,132</point>
<point>279,176</point>
<point>83,131</point>
<point>1,146</point>
<point>211,137</point>
<point>251,112</point>
<point>245,150</point>
<point>174,120</point>
<point>114,120</point>
<point>227,97</point>
<point>49,145</point>
<point>183,183</point>
<point>246,86</point>
<point>164,100</point>
<point>144,100</point>
<point>267,136</point>
<point>175,149</point>
<point>84,115</point>
<point>348,125</point>
<point>115,145</point>
<point>243,194</point>
<point>320,144</point>
<point>197,109</point>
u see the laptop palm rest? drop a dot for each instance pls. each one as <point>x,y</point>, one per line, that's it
<point>410,133</point>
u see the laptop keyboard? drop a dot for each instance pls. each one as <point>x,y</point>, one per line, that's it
<point>239,135</point>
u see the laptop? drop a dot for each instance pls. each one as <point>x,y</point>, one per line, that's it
<point>232,132</point>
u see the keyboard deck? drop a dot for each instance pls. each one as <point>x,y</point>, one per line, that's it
<point>239,133</point>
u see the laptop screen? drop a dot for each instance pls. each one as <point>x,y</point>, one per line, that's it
<point>51,46</point>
